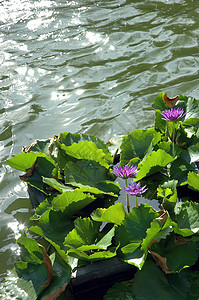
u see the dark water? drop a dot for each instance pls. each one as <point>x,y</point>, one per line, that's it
<point>87,66</point>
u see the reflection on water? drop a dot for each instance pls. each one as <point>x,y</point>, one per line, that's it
<point>88,66</point>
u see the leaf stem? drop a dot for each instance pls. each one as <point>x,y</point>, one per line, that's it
<point>127,197</point>
<point>136,201</point>
<point>174,133</point>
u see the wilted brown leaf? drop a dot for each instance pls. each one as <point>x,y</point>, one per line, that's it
<point>161,262</point>
<point>47,262</point>
<point>171,102</point>
<point>56,293</point>
<point>29,172</point>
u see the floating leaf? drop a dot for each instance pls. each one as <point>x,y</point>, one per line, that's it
<point>31,252</point>
<point>168,192</point>
<point>192,108</point>
<point>193,181</point>
<point>154,162</point>
<point>133,228</point>
<point>60,279</point>
<point>179,254</point>
<point>55,225</point>
<point>160,124</point>
<point>24,161</point>
<point>191,154</point>
<point>187,219</point>
<point>170,148</point>
<point>71,202</point>
<point>37,273</point>
<point>191,122</point>
<point>180,168</point>
<point>138,143</point>
<point>84,233</point>
<point>120,291</point>
<point>55,184</point>
<point>41,146</point>
<point>114,214</point>
<point>68,139</point>
<point>86,150</point>
<point>157,285</point>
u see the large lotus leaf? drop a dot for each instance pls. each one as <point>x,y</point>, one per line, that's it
<point>98,255</point>
<point>162,102</point>
<point>84,233</point>
<point>43,206</point>
<point>43,167</point>
<point>30,250</point>
<point>138,143</point>
<point>191,154</point>
<point>159,102</point>
<point>180,169</point>
<point>60,279</point>
<point>133,228</point>
<point>151,283</point>
<point>106,240</point>
<point>152,182</point>
<point>114,214</point>
<point>102,188</point>
<point>102,244</point>
<point>37,230</point>
<point>154,163</point>
<point>71,202</point>
<point>120,291</point>
<point>160,124</point>
<point>37,273</point>
<point>178,252</point>
<point>25,161</point>
<point>151,234</point>
<point>187,219</point>
<point>191,122</point>
<point>193,181</point>
<point>57,185</point>
<point>68,139</point>
<point>168,192</point>
<point>86,172</point>
<point>55,225</point>
<point>183,139</point>
<point>133,254</point>
<point>192,108</point>
<point>91,177</point>
<point>86,150</point>
<point>41,146</point>
<point>171,148</point>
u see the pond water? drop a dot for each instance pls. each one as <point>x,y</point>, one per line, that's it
<point>87,66</point>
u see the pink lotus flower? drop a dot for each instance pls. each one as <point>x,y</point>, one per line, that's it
<point>173,114</point>
<point>125,172</point>
<point>135,189</point>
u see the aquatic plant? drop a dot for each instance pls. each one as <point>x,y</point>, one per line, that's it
<point>135,190</point>
<point>71,180</point>
<point>125,172</point>
<point>173,114</point>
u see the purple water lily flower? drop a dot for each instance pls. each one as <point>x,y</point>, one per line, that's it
<point>125,172</point>
<point>135,189</point>
<point>173,114</point>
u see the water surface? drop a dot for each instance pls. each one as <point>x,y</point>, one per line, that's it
<point>84,66</point>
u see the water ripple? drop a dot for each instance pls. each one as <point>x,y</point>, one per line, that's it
<point>88,66</point>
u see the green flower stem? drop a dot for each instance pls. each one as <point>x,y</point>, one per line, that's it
<point>136,201</point>
<point>127,197</point>
<point>167,130</point>
<point>173,133</point>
